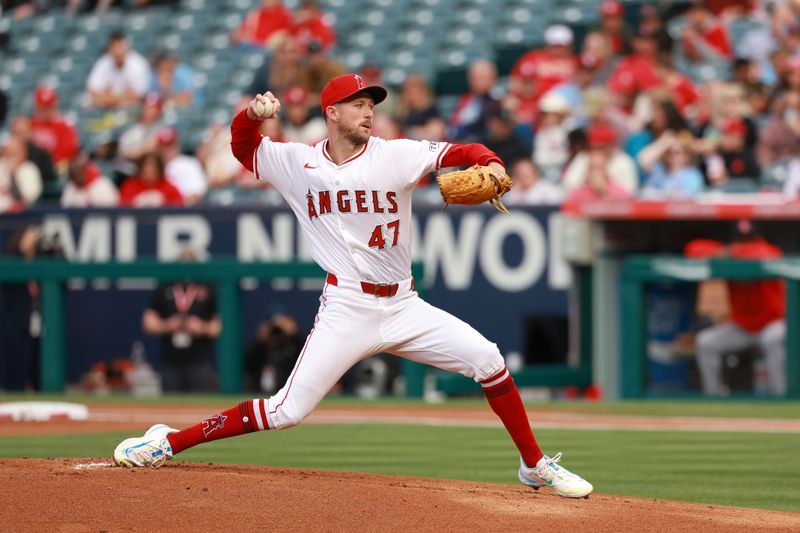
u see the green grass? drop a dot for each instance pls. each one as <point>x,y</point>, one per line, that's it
<point>717,408</point>
<point>743,469</point>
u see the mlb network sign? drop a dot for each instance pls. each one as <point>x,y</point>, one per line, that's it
<point>510,253</point>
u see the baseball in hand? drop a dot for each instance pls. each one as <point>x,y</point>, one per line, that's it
<point>264,109</point>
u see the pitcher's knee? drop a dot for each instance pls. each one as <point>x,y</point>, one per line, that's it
<point>490,362</point>
<point>287,414</point>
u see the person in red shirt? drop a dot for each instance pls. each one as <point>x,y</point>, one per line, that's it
<point>637,72</point>
<point>758,311</point>
<point>261,25</point>
<point>310,24</point>
<point>50,131</point>
<point>149,187</point>
<point>538,71</point>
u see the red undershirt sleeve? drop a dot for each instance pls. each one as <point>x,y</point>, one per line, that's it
<point>460,155</point>
<point>245,138</point>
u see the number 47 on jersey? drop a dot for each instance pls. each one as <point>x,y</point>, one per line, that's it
<point>377,239</point>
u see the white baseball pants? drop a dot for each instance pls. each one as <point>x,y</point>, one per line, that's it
<point>352,326</point>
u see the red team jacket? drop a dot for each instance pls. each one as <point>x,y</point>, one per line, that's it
<point>57,137</point>
<point>133,187</point>
<point>754,304</point>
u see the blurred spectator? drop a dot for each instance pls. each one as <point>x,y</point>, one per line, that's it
<point>529,187</point>
<point>87,187</point>
<point>573,90</point>
<point>670,167</point>
<point>779,68</point>
<point>732,159</point>
<point>759,100</point>
<point>681,89</point>
<point>386,126</point>
<point>149,188</point>
<point>175,83</point>
<point>793,73</point>
<point>142,137</point>
<point>317,69</point>
<point>762,325</point>
<point>665,123</point>
<point>538,71</point>
<point>120,78</point>
<point>310,25</point>
<point>759,42</point>
<point>260,27</point>
<point>652,22</point>
<point>550,144</point>
<point>223,170</point>
<point>704,50</point>
<point>599,185</point>
<point>103,148</point>
<point>779,138</point>
<point>270,357</point>
<point>635,73</point>
<point>418,112</point>
<point>21,128</point>
<point>612,24</point>
<point>280,70</point>
<point>468,122</point>
<point>605,171</point>
<point>727,104</point>
<point>51,131</point>
<point>742,71</point>
<point>184,315</point>
<point>503,140</point>
<point>183,171</point>
<point>299,125</point>
<point>20,180</point>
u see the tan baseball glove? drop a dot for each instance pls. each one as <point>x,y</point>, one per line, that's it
<point>473,186</point>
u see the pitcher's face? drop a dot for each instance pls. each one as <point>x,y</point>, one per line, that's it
<point>355,118</point>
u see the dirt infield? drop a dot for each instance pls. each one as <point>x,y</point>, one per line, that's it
<point>202,497</point>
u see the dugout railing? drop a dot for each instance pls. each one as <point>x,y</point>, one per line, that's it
<point>225,273</point>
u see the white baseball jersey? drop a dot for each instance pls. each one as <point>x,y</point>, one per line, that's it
<point>356,216</point>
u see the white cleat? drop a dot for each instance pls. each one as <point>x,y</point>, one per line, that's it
<point>547,473</point>
<point>152,449</point>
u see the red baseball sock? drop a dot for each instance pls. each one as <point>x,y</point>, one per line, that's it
<point>244,418</point>
<point>503,397</point>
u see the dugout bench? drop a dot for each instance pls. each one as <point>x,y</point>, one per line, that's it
<point>637,271</point>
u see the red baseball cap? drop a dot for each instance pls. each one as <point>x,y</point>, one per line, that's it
<point>602,135</point>
<point>167,136</point>
<point>733,126</point>
<point>45,96</point>
<point>344,86</point>
<point>610,8</point>
<point>295,95</point>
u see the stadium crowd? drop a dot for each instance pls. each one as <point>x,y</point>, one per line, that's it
<point>697,98</point>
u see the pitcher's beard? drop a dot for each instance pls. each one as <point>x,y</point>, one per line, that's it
<point>355,136</point>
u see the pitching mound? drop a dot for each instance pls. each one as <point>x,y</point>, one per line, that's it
<point>88,495</point>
